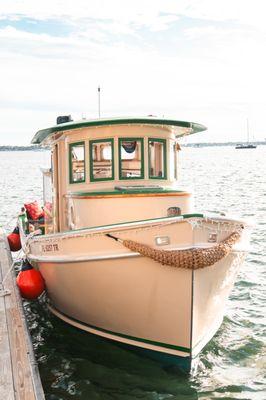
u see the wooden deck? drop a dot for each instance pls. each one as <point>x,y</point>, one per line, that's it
<point>19,374</point>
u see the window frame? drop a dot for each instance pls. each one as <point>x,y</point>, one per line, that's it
<point>91,142</point>
<point>70,146</point>
<point>164,158</point>
<point>142,162</point>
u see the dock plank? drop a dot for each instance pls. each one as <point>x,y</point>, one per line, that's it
<point>6,373</point>
<point>19,373</point>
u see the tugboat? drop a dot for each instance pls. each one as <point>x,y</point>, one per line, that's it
<point>122,252</point>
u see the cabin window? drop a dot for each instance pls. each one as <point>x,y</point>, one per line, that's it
<point>131,158</point>
<point>77,162</point>
<point>102,160</point>
<point>157,159</point>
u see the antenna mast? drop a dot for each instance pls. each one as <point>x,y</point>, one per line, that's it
<point>99,101</point>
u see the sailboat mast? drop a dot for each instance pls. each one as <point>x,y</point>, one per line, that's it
<point>247,130</point>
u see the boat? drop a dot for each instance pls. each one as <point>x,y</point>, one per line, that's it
<point>123,253</point>
<point>247,144</point>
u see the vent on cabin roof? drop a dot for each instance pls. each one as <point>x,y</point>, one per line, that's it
<point>63,119</point>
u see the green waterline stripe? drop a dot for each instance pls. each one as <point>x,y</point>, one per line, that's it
<point>147,341</point>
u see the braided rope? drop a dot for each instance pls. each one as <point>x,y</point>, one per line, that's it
<point>191,258</point>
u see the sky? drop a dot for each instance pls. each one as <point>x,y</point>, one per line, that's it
<point>194,60</point>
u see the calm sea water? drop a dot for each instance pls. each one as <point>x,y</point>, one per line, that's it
<point>76,365</point>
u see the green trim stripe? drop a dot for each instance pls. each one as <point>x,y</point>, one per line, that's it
<point>136,339</point>
<point>184,216</point>
<point>43,134</point>
<point>181,217</point>
<point>195,215</point>
<point>126,191</point>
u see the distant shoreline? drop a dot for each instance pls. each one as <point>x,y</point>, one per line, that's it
<point>263,143</point>
<point>197,145</point>
<point>23,148</point>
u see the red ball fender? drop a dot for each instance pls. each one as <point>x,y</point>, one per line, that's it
<point>30,282</point>
<point>14,240</point>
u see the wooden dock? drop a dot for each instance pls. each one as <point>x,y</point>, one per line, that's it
<point>19,374</point>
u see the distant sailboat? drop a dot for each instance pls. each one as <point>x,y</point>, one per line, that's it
<point>246,145</point>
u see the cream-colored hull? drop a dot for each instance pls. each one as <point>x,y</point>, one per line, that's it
<point>131,298</point>
<point>97,284</point>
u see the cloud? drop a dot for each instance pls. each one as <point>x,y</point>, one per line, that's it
<point>194,60</point>
<point>125,14</point>
<point>12,33</point>
<point>245,12</point>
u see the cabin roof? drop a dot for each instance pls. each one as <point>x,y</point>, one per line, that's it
<point>179,128</point>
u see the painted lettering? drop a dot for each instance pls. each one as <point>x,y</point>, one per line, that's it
<point>50,247</point>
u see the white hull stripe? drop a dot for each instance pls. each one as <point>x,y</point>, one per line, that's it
<point>76,259</point>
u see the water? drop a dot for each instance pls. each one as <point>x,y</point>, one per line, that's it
<point>76,365</point>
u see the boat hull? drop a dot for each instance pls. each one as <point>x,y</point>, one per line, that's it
<point>169,313</point>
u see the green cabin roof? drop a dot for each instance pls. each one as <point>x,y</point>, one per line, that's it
<point>189,127</point>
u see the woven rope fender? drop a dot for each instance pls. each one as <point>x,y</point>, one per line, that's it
<point>190,258</point>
